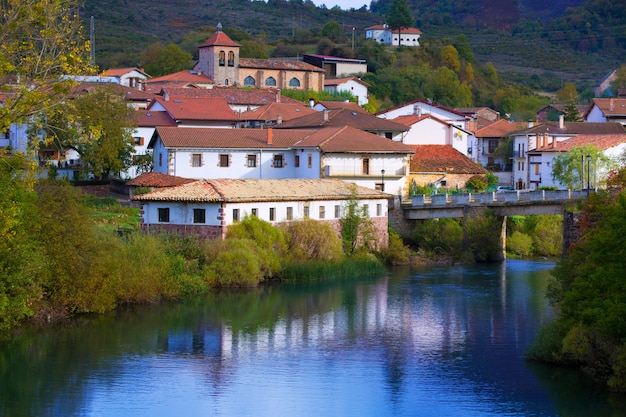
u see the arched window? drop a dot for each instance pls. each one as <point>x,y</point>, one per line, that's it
<point>294,82</point>
<point>249,81</point>
<point>222,58</point>
<point>270,82</point>
<point>226,82</point>
<point>231,59</point>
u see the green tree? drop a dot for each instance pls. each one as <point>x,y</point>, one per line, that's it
<point>570,169</point>
<point>99,130</point>
<point>333,31</point>
<point>40,41</point>
<point>158,59</point>
<point>356,227</point>
<point>399,17</point>
<point>450,57</point>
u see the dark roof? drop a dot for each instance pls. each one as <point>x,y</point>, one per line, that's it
<point>345,117</point>
<point>233,96</point>
<point>157,179</point>
<point>574,128</point>
<point>149,118</point>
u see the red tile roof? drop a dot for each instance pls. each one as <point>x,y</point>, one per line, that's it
<point>346,139</point>
<point>609,106</point>
<point>278,64</point>
<point>271,111</point>
<point>185,76</point>
<point>350,105</point>
<point>157,179</point>
<point>426,102</point>
<point>262,190</point>
<point>575,128</point>
<point>198,109</point>
<point>385,27</point>
<point>500,129</point>
<point>148,118</point>
<point>233,96</point>
<point>600,142</point>
<point>442,159</point>
<point>219,38</point>
<point>118,72</point>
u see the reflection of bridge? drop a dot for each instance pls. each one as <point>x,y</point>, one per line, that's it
<point>520,203</point>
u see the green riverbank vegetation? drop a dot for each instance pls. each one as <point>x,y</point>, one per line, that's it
<point>589,291</point>
<point>64,253</point>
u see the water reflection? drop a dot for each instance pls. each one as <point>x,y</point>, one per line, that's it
<point>438,341</point>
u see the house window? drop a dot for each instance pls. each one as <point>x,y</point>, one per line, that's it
<point>278,161</point>
<point>164,215</point>
<point>297,161</point>
<point>231,59</point>
<point>254,212</point>
<point>235,215</point>
<point>272,214</point>
<point>379,209</point>
<point>306,212</point>
<point>322,212</point>
<point>493,145</point>
<point>289,213</point>
<point>366,166</point>
<point>251,161</point>
<point>337,211</point>
<point>224,160</point>
<point>138,140</point>
<point>270,82</point>
<point>294,82</point>
<point>536,169</point>
<point>310,161</point>
<point>196,160</point>
<point>160,159</point>
<point>199,215</point>
<point>222,60</point>
<point>389,135</point>
<point>249,81</point>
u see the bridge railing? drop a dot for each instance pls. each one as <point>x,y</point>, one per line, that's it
<point>493,197</point>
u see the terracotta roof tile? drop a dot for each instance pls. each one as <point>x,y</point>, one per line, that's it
<point>418,101</point>
<point>443,159</point>
<point>575,128</point>
<point>278,64</point>
<point>500,129</point>
<point>233,96</point>
<point>261,190</point>
<point>185,76</point>
<point>219,38</point>
<point>148,118</point>
<point>157,179</point>
<point>271,111</point>
<point>601,142</point>
<point>610,106</point>
<point>346,139</point>
<point>198,108</point>
<point>350,105</point>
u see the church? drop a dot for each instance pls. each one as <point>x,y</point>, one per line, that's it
<point>218,58</point>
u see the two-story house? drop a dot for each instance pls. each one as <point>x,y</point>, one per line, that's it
<point>342,153</point>
<point>421,107</point>
<point>429,130</point>
<point>385,36</point>
<point>606,110</point>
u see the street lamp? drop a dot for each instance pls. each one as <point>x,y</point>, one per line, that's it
<point>382,184</point>
<point>588,172</point>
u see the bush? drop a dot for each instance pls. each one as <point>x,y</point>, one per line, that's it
<point>310,240</point>
<point>519,244</point>
<point>234,263</point>
<point>396,253</point>
<point>483,238</point>
<point>440,235</point>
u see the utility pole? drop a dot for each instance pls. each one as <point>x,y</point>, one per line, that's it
<point>353,29</point>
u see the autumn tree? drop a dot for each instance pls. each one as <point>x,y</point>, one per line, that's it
<point>450,57</point>
<point>399,17</point>
<point>40,42</point>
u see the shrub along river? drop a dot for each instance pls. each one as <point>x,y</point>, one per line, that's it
<point>431,342</point>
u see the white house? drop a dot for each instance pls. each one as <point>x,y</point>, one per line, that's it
<point>421,107</point>
<point>429,130</point>
<point>208,207</point>
<point>383,35</point>
<point>129,77</point>
<point>355,86</point>
<point>332,152</point>
<point>540,159</point>
<point>606,110</point>
<point>528,174</point>
<point>336,67</point>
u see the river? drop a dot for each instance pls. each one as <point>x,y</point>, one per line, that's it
<point>444,341</point>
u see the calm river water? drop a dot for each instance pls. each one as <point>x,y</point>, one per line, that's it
<point>431,342</point>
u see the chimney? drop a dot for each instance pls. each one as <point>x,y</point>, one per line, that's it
<point>279,119</point>
<point>277,96</point>
<point>311,103</point>
<point>561,121</point>
<point>611,105</point>
<point>325,115</point>
<point>166,97</point>
<point>269,136</point>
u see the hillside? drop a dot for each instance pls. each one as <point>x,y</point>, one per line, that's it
<point>524,39</point>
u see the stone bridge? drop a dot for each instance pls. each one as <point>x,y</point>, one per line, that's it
<point>520,203</point>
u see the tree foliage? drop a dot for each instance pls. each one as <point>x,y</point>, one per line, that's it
<point>573,170</point>
<point>158,59</point>
<point>399,17</point>
<point>40,41</point>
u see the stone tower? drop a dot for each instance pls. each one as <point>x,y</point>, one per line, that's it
<point>218,58</point>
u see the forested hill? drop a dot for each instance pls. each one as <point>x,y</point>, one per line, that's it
<point>570,39</point>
